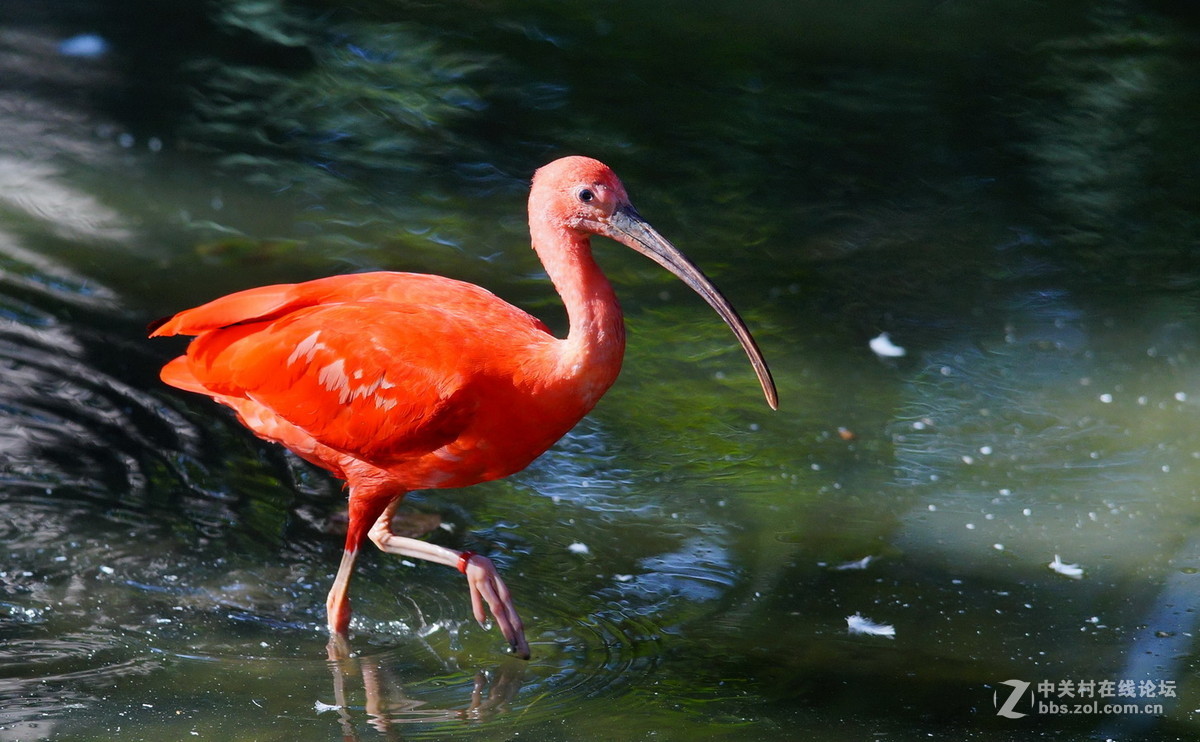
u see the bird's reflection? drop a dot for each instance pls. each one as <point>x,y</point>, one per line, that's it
<point>387,705</point>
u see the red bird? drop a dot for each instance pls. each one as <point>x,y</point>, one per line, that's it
<point>402,381</point>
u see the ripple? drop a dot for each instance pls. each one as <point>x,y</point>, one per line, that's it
<point>77,667</point>
<point>83,416</point>
<point>67,422</point>
<point>602,656</point>
<point>420,662</point>
<point>581,469</point>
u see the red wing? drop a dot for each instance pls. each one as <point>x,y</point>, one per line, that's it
<point>375,365</point>
<point>380,384</point>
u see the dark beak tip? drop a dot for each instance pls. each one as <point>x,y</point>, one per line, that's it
<point>628,227</point>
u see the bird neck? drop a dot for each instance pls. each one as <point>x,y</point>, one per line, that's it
<point>595,342</point>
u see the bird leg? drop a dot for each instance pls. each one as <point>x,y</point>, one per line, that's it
<point>337,605</point>
<point>483,580</point>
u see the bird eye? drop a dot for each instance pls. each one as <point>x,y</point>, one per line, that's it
<point>585,195</point>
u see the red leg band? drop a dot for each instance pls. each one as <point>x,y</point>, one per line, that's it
<point>463,560</point>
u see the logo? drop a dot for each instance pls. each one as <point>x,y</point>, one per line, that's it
<point>1083,696</point>
<point>1008,709</point>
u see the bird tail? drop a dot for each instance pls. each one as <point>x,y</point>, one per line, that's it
<point>177,374</point>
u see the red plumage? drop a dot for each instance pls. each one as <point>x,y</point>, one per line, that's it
<point>403,381</point>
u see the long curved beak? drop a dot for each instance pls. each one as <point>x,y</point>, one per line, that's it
<point>627,227</point>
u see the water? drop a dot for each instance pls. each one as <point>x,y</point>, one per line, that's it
<point>1007,191</point>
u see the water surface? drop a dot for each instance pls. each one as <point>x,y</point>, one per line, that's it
<point>1007,190</point>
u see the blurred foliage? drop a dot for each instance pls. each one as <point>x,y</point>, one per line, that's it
<point>377,99</point>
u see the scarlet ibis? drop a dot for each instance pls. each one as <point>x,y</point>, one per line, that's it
<point>400,381</point>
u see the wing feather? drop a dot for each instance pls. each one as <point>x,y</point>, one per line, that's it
<point>384,367</point>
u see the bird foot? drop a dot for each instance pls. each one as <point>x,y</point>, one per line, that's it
<point>487,587</point>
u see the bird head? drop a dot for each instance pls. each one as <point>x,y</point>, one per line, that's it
<point>585,196</point>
